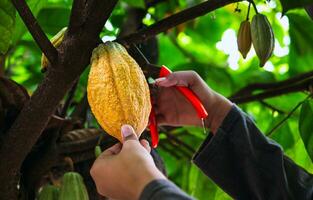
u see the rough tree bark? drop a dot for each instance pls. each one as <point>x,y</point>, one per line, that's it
<point>34,116</point>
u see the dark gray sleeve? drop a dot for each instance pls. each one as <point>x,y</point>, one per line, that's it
<point>247,165</point>
<point>163,190</point>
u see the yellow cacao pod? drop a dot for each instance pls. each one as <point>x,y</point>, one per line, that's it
<point>244,38</point>
<point>56,41</point>
<point>117,90</point>
<point>262,38</point>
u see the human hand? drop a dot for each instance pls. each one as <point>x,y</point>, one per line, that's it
<point>173,109</point>
<point>123,170</point>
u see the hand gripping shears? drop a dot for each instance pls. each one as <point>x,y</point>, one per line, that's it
<point>159,72</point>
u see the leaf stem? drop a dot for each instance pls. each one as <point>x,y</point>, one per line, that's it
<point>271,132</point>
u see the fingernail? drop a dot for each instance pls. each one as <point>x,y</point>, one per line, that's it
<point>158,80</point>
<point>127,130</point>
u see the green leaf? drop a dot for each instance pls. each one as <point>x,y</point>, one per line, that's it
<point>7,20</point>
<point>136,3</point>
<point>20,29</point>
<point>306,126</point>
<point>300,30</point>
<point>284,135</point>
<point>290,4</point>
<point>53,19</point>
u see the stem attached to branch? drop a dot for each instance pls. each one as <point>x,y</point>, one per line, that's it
<point>35,30</point>
<point>271,132</point>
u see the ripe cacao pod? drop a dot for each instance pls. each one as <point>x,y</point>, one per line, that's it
<point>262,38</point>
<point>73,187</point>
<point>49,192</point>
<point>309,10</point>
<point>244,38</point>
<point>56,41</point>
<point>117,90</point>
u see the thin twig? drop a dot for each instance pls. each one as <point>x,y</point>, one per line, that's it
<point>180,142</point>
<point>270,133</point>
<point>272,107</point>
<point>170,151</point>
<point>68,101</point>
<point>174,20</point>
<point>35,30</point>
<point>178,148</point>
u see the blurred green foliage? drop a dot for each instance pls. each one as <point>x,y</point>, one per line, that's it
<point>208,46</point>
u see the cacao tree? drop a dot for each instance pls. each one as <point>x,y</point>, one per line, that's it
<point>47,128</point>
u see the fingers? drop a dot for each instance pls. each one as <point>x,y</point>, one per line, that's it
<point>145,144</point>
<point>182,78</point>
<point>115,149</point>
<point>128,133</point>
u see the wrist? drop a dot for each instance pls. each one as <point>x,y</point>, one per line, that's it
<point>148,175</point>
<point>218,107</point>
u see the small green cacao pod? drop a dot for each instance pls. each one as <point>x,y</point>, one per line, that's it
<point>244,38</point>
<point>98,151</point>
<point>56,41</point>
<point>262,38</point>
<point>49,192</point>
<point>73,187</point>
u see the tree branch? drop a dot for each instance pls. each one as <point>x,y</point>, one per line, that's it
<point>259,86</point>
<point>78,15</point>
<point>70,63</point>
<point>270,133</point>
<point>35,30</point>
<point>300,86</point>
<point>174,20</point>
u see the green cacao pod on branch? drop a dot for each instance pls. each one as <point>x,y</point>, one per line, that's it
<point>244,38</point>
<point>73,187</point>
<point>49,192</point>
<point>56,41</point>
<point>262,38</point>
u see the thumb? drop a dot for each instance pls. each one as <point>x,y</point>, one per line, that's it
<point>128,133</point>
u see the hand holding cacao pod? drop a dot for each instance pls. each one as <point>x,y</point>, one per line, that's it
<point>118,92</point>
<point>262,38</point>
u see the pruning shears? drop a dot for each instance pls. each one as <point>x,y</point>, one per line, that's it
<point>159,72</point>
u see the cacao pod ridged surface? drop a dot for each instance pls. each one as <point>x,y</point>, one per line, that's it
<point>73,187</point>
<point>244,38</point>
<point>56,41</point>
<point>118,92</point>
<point>262,38</point>
<point>49,192</point>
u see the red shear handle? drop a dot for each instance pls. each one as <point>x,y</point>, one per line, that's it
<point>153,126</point>
<point>189,94</point>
